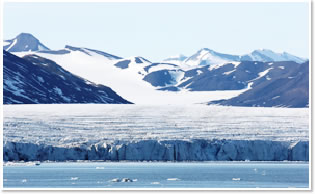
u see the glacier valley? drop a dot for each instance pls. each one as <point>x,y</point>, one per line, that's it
<point>62,132</point>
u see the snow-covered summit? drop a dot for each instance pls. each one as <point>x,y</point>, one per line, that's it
<point>207,56</point>
<point>24,42</point>
<point>266,55</point>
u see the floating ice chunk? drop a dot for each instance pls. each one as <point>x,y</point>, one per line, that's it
<point>126,180</point>
<point>263,173</point>
<point>134,180</point>
<point>155,183</point>
<point>173,179</point>
<point>236,179</point>
<point>5,180</point>
<point>24,180</point>
<point>74,178</point>
<point>115,180</point>
<point>100,167</point>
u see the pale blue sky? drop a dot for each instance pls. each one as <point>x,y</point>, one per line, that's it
<point>158,30</point>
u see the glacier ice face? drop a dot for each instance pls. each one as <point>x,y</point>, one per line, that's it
<point>161,133</point>
<point>168,150</point>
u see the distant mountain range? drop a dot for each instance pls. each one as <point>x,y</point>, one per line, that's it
<point>207,56</point>
<point>259,72</point>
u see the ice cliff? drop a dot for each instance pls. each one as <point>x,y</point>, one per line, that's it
<point>167,150</point>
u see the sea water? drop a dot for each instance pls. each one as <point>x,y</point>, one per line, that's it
<point>158,175</point>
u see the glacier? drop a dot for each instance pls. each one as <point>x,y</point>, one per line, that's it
<point>65,132</point>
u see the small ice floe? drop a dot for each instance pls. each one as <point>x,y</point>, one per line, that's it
<point>155,183</point>
<point>236,179</point>
<point>255,170</point>
<point>125,180</point>
<point>19,163</point>
<point>98,182</point>
<point>173,179</point>
<point>263,173</point>
<point>74,178</point>
<point>24,180</point>
<point>115,180</point>
<point>73,183</point>
<point>134,180</point>
<point>5,180</point>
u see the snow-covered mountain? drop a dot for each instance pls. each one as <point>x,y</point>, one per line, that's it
<point>207,56</point>
<point>24,42</point>
<point>141,81</point>
<point>284,84</point>
<point>266,55</point>
<point>36,80</point>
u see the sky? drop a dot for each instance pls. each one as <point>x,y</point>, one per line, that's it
<point>159,30</point>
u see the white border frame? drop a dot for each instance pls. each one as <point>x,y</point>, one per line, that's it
<point>310,2</point>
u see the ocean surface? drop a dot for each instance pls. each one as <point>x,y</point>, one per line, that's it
<point>157,175</point>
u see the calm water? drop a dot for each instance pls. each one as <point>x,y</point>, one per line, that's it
<point>159,175</point>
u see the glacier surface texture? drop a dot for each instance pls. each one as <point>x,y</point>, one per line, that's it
<point>154,133</point>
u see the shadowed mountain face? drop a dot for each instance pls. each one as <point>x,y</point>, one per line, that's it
<point>288,90</point>
<point>235,76</point>
<point>33,79</point>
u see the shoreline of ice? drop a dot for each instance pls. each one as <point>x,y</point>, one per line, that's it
<point>167,150</point>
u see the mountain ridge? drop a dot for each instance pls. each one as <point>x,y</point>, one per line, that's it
<point>206,70</point>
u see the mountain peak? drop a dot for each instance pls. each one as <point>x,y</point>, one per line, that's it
<point>205,49</point>
<point>24,42</point>
<point>263,50</point>
<point>26,35</point>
